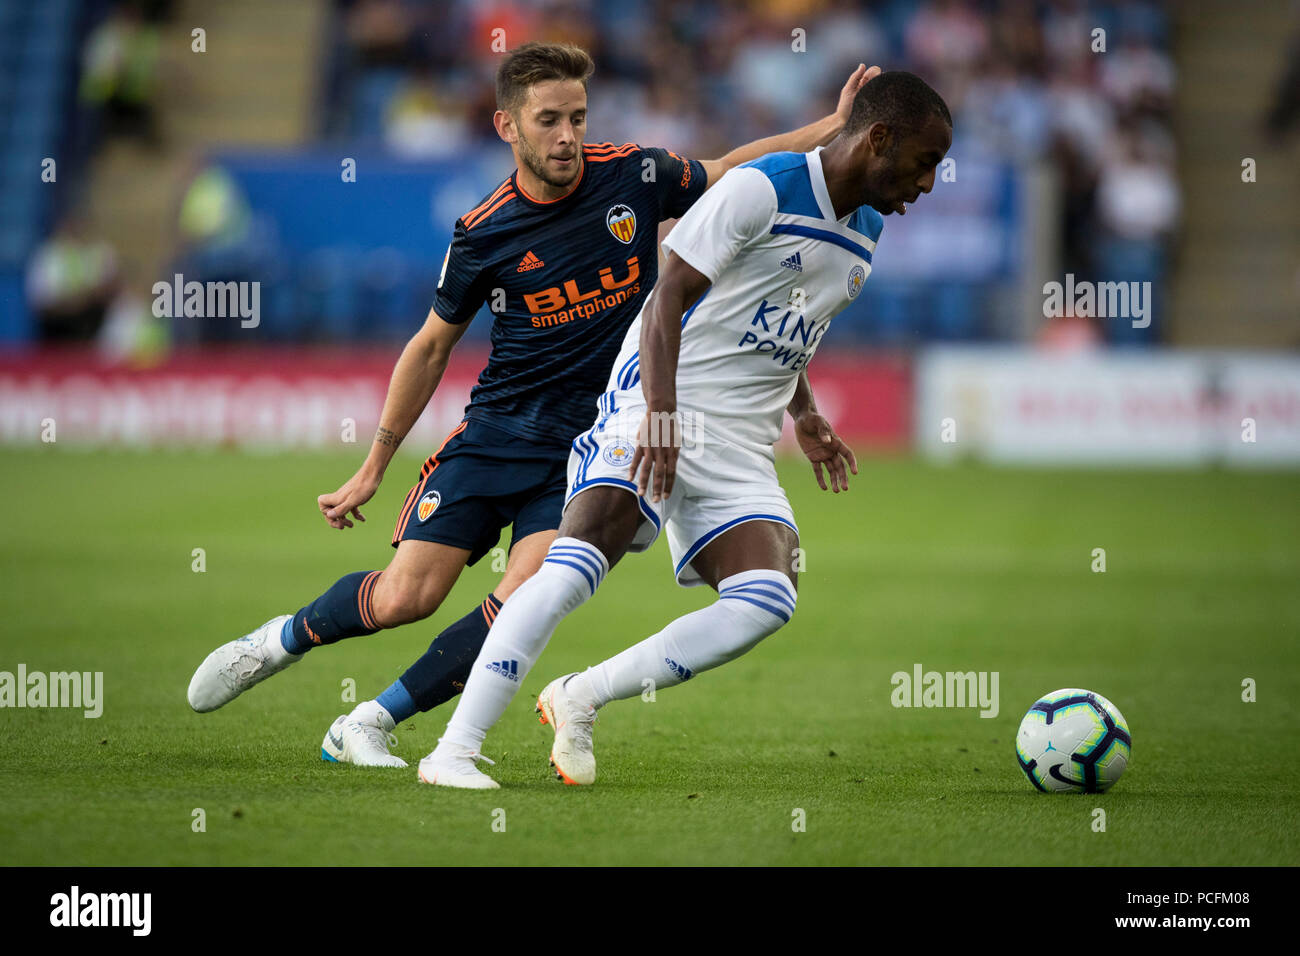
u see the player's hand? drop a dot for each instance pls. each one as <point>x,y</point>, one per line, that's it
<point>859,78</point>
<point>359,489</point>
<point>654,463</point>
<point>823,447</point>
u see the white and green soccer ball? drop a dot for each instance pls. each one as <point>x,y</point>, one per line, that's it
<point>1073,740</point>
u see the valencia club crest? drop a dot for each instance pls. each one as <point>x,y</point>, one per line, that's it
<point>622,222</point>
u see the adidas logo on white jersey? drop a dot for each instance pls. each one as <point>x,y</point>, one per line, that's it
<point>794,262</point>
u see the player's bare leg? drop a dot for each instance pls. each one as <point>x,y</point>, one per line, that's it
<point>752,546</point>
<point>364,736</point>
<point>525,559</point>
<point>416,582</point>
<point>599,526</point>
<point>605,517</point>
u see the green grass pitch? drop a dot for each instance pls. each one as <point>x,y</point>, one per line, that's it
<point>960,568</point>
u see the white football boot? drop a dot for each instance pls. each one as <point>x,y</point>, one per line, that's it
<point>571,753</point>
<point>451,765</point>
<point>236,666</point>
<point>362,738</point>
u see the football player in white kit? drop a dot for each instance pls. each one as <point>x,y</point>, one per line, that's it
<point>684,437</point>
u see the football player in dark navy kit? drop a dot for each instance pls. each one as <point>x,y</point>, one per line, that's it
<point>563,253</point>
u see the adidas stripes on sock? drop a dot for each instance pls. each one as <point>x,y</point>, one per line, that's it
<point>569,575</point>
<point>750,606</point>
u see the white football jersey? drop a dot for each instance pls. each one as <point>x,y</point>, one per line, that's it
<point>781,267</point>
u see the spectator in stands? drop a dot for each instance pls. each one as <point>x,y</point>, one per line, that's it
<point>214,213</point>
<point>947,35</point>
<point>1083,122</point>
<point>119,76</point>
<point>1009,108</point>
<point>1069,333</point>
<point>946,41</point>
<point>1138,206</point>
<point>220,239</point>
<point>379,31</point>
<point>1284,109</point>
<point>71,279</point>
<point>1067,33</point>
<point>131,332</point>
<point>1136,75</point>
<point>422,123</point>
<point>1023,73</point>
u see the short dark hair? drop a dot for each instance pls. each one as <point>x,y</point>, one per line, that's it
<point>537,63</point>
<point>899,99</point>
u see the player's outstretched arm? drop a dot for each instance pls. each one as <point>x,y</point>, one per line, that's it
<point>416,375</point>
<point>818,440</point>
<point>800,140</point>
<point>654,464</point>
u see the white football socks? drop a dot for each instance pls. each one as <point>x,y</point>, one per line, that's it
<point>569,575</point>
<point>373,712</point>
<point>750,606</point>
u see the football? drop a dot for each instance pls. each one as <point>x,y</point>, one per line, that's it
<point>1073,740</point>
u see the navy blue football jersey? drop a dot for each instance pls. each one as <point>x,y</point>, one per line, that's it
<point>563,279</point>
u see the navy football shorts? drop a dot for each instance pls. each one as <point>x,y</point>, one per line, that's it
<point>481,480</point>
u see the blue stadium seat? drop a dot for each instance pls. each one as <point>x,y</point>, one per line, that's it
<point>888,313</point>
<point>53,16</point>
<point>370,98</point>
<point>329,293</point>
<point>13,16</point>
<point>15,320</point>
<point>386,303</point>
<point>954,313</point>
<point>44,48</point>
<point>36,127</point>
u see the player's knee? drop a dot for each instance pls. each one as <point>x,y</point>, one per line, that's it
<point>571,573</point>
<point>763,600</point>
<point>403,601</point>
<point>516,574</point>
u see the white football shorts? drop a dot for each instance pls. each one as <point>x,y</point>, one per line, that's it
<point>719,484</point>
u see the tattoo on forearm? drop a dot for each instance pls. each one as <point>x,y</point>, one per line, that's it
<point>387,437</point>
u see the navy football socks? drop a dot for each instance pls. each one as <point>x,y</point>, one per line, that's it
<point>345,611</point>
<point>442,670</point>
<point>341,612</point>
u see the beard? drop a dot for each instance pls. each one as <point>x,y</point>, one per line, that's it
<point>537,165</point>
<point>876,194</point>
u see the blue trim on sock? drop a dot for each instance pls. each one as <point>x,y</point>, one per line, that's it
<point>587,556</point>
<point>289,641</point>
<point>397,700</point>
<point>770,608</point>
<point>591,581</point>
<point>762,589</point>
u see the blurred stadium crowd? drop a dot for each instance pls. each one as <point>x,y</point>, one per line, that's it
<point>413,80</point>
<point>705,76</point>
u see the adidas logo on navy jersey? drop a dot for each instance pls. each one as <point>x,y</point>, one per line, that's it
<point>507,669</point>
<point>529,262</point>
<point>794,262</point>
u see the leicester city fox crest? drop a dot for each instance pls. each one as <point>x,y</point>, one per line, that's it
<point>621,221</point>
<point>857,276</point>
<point>619,452</point>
